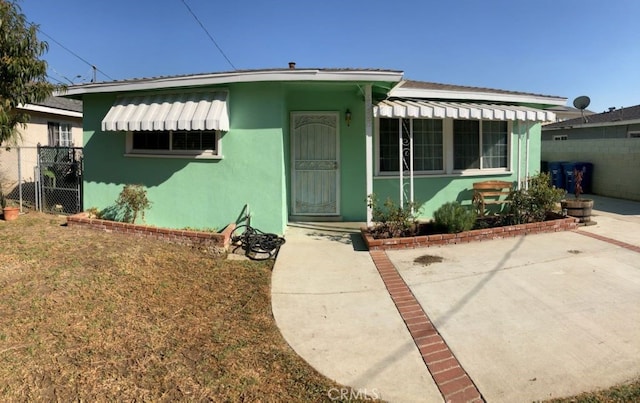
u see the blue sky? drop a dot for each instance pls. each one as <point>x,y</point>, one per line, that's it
<point>566,48</point>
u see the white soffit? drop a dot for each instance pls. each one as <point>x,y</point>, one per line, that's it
<point>180,111</point>
<point>459,110</point>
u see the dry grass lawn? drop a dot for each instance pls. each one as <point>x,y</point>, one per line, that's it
<point>92,316</point>
<point>88,315</point>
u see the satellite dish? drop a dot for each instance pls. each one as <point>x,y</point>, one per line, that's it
<point>581,103</point>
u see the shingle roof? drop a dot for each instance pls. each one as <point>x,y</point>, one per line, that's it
<point>613,116</point>
<point>424,85</point>
<point>73,105</point>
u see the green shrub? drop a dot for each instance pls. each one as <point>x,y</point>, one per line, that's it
<point>534,204</point>
<point>392,221</point>
<point>133,201</point>
<point>452,217</point>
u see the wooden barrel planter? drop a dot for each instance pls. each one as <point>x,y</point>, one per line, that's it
<point>579,208</point>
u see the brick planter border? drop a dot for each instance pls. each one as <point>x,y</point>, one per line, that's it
<point>561,224</point>
<point>214,243</point>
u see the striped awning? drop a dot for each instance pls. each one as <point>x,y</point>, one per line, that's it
<point>183,111</point>
<point>459,110</point>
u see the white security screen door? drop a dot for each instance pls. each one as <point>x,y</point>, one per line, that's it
<point>314,145</point>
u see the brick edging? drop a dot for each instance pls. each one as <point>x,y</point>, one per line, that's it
<point>452,380</point>
<point>612,241</point>
<point>510,231</point>
<point>212,242</point>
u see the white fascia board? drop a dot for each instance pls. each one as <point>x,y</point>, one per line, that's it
<point>51,111</point>
<point>475,96</point>
<point>591,125</point>
<point>240,77</point>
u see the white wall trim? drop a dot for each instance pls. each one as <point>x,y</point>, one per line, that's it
<point>50,110</point>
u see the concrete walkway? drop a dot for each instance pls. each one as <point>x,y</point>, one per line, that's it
<point>334,310</point>
<point>528,318</point>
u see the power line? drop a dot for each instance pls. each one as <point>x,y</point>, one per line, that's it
<point>55,79</point>
<point>208,34</point>
<point>73,53</point>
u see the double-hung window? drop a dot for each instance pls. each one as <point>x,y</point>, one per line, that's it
<point>480,144</point>
<point>427,145</point>
<point>59,134</point>
<point>174,143</point>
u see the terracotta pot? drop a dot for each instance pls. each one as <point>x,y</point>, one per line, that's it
<point>578,208</point>
<point>10,213</point>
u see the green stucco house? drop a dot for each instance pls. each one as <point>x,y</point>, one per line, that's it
<point>300,144</point>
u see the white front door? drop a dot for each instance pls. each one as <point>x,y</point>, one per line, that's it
<point>314,145</point>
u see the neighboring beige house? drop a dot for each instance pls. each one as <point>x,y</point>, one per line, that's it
<point>54,122</point>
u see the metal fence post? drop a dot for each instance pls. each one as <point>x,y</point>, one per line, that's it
<point>20,178</point>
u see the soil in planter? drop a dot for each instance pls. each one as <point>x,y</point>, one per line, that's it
<point>430,228</point>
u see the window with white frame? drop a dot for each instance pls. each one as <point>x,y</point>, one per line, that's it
<point>634,134</point>
<point>480,144</point>
<point>176,143</point>
<point>560,137</point>
<point>59,134</point>
<point>427,144</point>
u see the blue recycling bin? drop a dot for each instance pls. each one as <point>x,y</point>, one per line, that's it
<point>587,176</point>
<point>557,175</point>
<point>569,178</point>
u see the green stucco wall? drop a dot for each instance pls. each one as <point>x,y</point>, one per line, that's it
<point>199,193</point>
<point>255,169</point>
<point>432,192</point>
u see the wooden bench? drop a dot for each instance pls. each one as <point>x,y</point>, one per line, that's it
<point>490,192</point>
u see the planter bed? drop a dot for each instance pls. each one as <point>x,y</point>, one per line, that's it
<point>212,243</point>
<point>509,231</point>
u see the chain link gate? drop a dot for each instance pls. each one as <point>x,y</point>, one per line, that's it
<point>59,188</point>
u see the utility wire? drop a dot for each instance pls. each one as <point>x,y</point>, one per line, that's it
<point>208,34</point>
<point>55,79</point>
<point>73,53</point>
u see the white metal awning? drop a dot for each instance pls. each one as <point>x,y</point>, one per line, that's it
<point>459,110</point>
<point>182,111</point>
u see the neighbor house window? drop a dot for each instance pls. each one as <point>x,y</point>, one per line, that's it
<point>560,137</point>
<point>190,143</point>
<point>634,134</point>
<point>427,144</point>
<point>480,145</point>
<point>59,134</point>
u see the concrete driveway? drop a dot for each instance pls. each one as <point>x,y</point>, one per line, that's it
<point>534,317</point>
<point>527,318</point>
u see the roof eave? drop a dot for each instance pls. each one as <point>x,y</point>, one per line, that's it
<point>235,77</point>
<point>50,110</point>
<point>476,96</point>
<point>591,125</point>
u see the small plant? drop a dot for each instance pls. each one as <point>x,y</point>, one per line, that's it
<point>392,221</point>
<point>533,204</point>
<point>577,175</point>
<point>3,200</point>
<point>93,212</point>
<point>133,201</point>
<point>452,217</point>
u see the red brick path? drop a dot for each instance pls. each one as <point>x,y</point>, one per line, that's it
<point>625,245</point>
<point>452,380</point>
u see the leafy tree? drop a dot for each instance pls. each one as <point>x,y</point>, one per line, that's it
<point>22,72</point>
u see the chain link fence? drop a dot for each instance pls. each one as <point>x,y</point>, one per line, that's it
<point>47,179</point>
